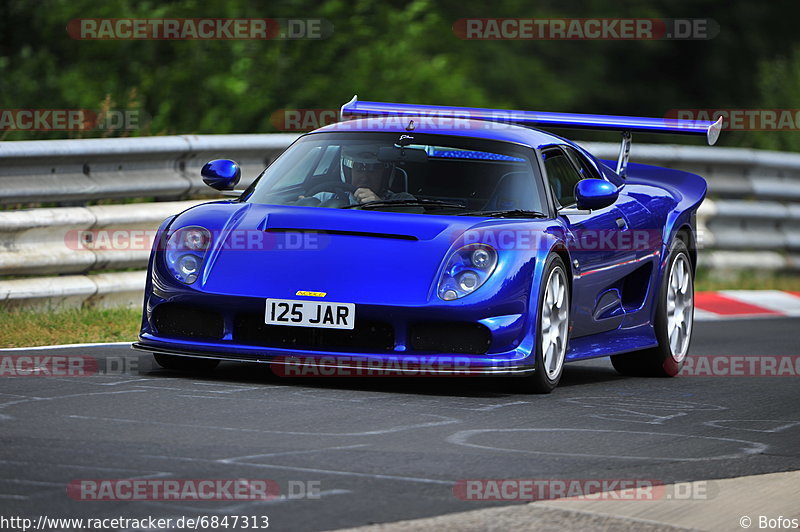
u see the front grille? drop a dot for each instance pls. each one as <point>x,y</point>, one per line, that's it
<point>450,337</point>
<point>367,336</point>
<point>174,319</point>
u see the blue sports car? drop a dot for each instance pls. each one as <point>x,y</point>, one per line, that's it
<point>438,241</point>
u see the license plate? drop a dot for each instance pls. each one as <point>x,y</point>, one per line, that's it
<point>310,314</point>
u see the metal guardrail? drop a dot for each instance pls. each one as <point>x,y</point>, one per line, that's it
<point>119,289</point>
<point>751,219</point>
<point>730,172</point>
<point>75,171</point>
<point>54,241</point>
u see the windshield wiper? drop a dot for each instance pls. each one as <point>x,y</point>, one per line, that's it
<point>512,213</point>
<point>408,203</point>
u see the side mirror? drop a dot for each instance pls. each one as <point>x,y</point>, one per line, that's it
<point>221,174</point>
<point>595,194</point>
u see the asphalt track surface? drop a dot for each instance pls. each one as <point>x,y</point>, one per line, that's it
<point>385,449</point>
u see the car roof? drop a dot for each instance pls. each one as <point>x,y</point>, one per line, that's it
<point>484,129</point>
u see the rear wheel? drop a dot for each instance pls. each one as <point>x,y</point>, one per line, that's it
<point>552,329</point>
<point>673,322</point>
<point>179,363</point>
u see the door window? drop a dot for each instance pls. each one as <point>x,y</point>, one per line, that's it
<point>562,177</point>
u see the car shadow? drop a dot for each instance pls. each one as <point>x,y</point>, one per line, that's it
<point>585,373</point>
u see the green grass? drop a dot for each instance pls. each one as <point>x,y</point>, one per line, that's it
<point>707,281</point>
<point>31,328</point>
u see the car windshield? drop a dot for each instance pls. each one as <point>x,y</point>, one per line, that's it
<point>417,173</point>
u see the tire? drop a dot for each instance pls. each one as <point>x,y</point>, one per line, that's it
<point>180,363</point>
<point>552,329</point>
<point>674,333</point>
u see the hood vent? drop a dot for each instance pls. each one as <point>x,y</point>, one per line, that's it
<point>340,232</point>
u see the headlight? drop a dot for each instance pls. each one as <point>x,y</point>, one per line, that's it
<point>466,270</point>
<point>186,249</point>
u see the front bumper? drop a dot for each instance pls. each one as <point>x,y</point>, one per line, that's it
<point>490,336</point>
<point>356,364</point>
<point>503,341</point>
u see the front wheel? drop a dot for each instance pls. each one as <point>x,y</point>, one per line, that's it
<point>552,329</point>
<point>673,323</point>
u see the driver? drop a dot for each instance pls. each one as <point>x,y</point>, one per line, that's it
<point>369,176</point>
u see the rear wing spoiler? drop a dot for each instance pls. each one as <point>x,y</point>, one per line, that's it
<point>625,124</point>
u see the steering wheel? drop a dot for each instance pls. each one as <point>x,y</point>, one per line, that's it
<point>331,186</point>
